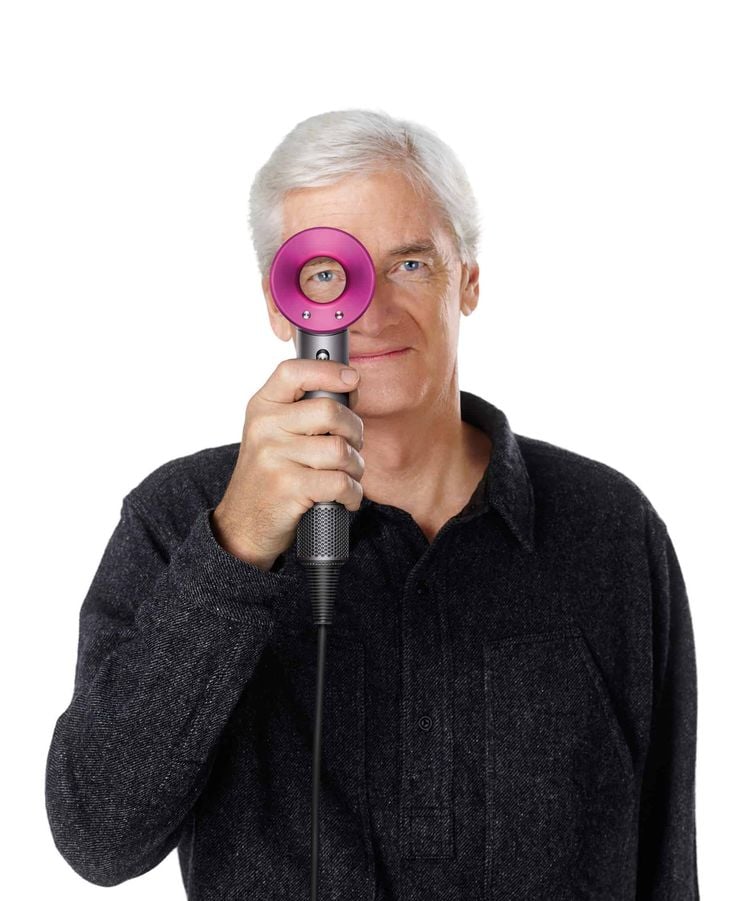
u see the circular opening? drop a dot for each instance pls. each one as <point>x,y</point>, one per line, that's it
<point>322,279</point>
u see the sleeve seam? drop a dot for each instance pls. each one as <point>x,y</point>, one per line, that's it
<point>140,510</point>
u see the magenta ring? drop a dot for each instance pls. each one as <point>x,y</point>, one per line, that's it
<point>291,257</point>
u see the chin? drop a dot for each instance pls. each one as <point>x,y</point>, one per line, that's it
<point>383,398</point>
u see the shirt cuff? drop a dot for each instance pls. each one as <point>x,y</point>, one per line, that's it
<point>212,577</point>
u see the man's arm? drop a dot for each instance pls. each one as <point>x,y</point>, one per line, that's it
<point>667,859</point>
<point>167,644</point>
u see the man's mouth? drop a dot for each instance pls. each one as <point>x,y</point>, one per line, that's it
<point>380,355</point>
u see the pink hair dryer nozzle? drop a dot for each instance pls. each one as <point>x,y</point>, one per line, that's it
<point>333,316</point>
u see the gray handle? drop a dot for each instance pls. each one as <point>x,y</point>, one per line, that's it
<point>323,530</point>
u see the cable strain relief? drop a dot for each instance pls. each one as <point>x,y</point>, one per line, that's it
<point>322,580</point>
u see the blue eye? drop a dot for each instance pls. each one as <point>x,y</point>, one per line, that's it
<point>327,272</point>
<point>413,261</point>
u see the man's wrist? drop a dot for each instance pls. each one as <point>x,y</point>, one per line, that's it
<point>243,551</point>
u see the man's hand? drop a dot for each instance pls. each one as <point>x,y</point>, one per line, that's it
<point>287,462</point>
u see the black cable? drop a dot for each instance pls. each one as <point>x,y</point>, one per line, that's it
<point>322,581</point>
<point>316,758</point>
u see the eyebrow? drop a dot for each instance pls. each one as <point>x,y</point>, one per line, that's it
<point>422,245</point>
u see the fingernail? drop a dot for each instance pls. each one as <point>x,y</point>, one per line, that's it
<point>349,376</point>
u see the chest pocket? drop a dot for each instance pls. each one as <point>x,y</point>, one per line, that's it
<point>559,775</point>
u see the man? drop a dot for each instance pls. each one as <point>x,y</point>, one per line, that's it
<point>510,695</point>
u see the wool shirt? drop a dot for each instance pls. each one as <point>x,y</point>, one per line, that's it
<point>509,709</point>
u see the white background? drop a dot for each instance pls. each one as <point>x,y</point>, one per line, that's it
<point>608,147</point>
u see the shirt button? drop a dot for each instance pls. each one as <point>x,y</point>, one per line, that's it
<point>425,723</point>
<point>421,586</point>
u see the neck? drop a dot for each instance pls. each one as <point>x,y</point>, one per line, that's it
<point>424,459</point>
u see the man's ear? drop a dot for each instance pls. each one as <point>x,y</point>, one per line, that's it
<point>282,327</point>
<point>469,287</point>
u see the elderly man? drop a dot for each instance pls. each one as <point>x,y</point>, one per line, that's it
<point>510,695</point>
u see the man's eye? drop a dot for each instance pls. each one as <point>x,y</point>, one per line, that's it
<point>409,262</point>
<point>326,272</point>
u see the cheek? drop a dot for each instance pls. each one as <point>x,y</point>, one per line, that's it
<point>444,324</point>
<point>438,290</point>
<point>435,305</point>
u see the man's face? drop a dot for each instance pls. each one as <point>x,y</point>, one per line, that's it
<point>418,292</point>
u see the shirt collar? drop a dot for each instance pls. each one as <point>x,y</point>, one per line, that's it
<point>507,486</point>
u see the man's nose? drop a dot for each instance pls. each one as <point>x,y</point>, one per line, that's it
<point>382,310</point>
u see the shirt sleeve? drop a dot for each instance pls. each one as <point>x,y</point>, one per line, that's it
<point>667,858</point>
<point>167,643</point>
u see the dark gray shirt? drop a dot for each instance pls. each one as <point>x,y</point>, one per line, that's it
<point>509,711</point>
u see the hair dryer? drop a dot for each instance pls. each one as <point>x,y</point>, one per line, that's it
<point>322,334</point>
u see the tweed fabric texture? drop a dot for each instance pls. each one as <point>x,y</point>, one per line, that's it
<point>510,710</point>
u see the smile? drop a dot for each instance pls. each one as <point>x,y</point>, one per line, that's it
<point>385,356</point>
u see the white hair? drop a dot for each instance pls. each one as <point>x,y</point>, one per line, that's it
<point>330,146</point>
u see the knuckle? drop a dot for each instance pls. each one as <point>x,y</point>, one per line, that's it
<point>331,408</point>
<point>340,447</point>
<point>251,409</point>
<point>254,430</point>
<point>264,458</point>
<point>359,427</point>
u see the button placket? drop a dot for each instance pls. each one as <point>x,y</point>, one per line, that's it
<point>427,761</point>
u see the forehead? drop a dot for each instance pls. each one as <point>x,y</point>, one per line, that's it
<point>380,209</point>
